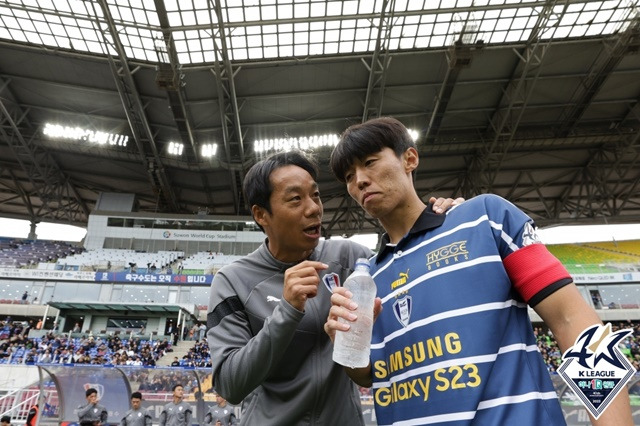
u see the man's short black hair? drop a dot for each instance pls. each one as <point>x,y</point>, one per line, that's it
<point>90,391</point>
<point>136,395</point>
<point>370,137</point>
<point>257,183</point>
<point>176,386</point>
<point>5,419</point>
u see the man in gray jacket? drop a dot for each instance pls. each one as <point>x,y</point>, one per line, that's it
<point>220,414</point>
<point>177,412</point>
<point>136,416</point>
<point>267,310</point>
<point>92,413</point>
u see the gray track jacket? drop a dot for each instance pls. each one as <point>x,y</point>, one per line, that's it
<point>139,417</point>
<point>176,414</point>
<point>272,357</point>
<point>90,413</point>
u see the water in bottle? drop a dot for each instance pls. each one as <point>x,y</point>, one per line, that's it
<point>351,348</point>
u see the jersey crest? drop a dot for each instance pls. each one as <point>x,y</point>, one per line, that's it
<point>402,310</point>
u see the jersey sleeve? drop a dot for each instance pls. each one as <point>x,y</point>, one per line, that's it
<point>534,272</point>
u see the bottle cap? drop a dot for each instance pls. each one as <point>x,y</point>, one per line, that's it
<point>362,262</point>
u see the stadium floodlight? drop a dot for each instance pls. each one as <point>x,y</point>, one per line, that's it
<point>209,150</point>
<point>414,134</point>
<point>175,148</point>
<point>287,144</point>
<point>57,131</point>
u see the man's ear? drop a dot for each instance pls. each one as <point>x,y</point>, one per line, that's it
<point>259,215</point>
<point>410,160</point>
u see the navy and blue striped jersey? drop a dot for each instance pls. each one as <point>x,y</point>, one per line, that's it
<point>454,344</point>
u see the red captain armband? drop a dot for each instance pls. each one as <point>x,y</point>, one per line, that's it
<point>533,269</point>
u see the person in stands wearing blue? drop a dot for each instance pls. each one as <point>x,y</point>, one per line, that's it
<point>454,343</point>
<point>266,310</point>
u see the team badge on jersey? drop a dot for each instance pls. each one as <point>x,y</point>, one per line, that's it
<point>331,281</point>
<point>595,369</point>
<point>402,310</point>
<point>529,235</point>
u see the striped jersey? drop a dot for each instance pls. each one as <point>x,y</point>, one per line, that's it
<point>454,344</point>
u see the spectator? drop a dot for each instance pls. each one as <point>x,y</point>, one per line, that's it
<point>5,421</point>
<point>25,295</point>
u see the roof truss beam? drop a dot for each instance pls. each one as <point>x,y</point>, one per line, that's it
<point>516,96</point>
<point>136,116</point>
<point>59,197</point>
<point>229,109</point>
<point>625,42</point>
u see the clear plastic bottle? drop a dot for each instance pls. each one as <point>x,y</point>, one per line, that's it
<point>352,348</point>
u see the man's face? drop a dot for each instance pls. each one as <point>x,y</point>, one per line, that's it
<point>93,398</point>
<point>135,403</point>
<point>220,400</point>
<point>294,224</point>
<point>178,392</point>
<point>380,182</point>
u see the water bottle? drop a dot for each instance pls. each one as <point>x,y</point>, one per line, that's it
<point>352,348</point>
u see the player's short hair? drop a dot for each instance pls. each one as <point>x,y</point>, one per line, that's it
<point>136,395</point>
<point>176,386</point>
<point>5,419</point>
<point>363,139</point>
<point>90,391</point>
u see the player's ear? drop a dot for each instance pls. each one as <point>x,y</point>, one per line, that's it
<point>260,215</point>
<point>410,159</point>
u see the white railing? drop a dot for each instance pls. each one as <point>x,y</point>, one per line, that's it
<point>16,404</point>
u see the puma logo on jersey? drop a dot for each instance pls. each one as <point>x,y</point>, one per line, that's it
<point>272,299</point>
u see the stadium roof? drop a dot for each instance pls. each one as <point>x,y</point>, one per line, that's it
<point>117,307</point>
<point>537,101</point>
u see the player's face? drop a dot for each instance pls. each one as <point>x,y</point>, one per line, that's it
<point>381,181</point>
<point>93,398</point>
<point>294,224</point>
<point>178,392</point>
<point>135,403</point>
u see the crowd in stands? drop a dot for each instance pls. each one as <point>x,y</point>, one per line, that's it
<point>18,253</point>
<point>17,348</point>
<point>198,356</point>
<point>41,254</point>
<point>162,380</point>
